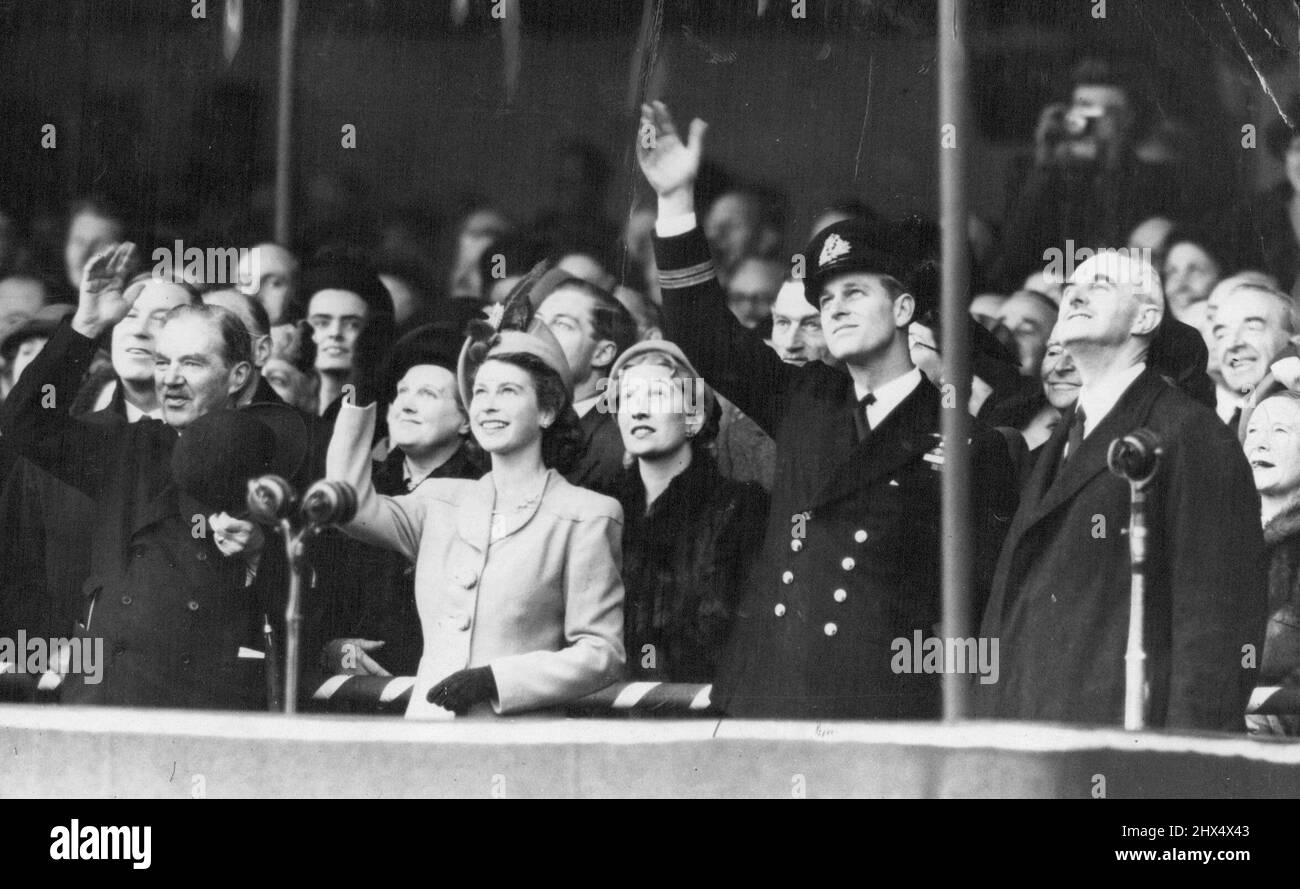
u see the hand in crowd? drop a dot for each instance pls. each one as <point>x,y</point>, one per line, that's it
<point>669,164</point>
<point>103,301</point>
<point>352,657</point>
<point>235,537</point>
<point>463,689</point>
<point>1047,136</point>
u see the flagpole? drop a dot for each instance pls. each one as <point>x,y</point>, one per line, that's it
<point>284,124</point>
<point>955,133</point>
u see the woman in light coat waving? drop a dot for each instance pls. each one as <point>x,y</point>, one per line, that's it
<point>517,574</point>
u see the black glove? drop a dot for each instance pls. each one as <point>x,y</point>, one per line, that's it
<point>463,689</point>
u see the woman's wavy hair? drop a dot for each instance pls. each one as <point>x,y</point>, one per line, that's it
<point>562,444</point>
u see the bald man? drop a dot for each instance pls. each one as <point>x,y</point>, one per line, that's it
<point>1060,600</point>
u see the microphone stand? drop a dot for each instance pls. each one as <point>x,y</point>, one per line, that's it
<point>295,551</point>
<point>1136,458</point>
<point>273,501</point>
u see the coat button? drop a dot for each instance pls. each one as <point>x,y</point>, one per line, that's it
<point>465,577</point>
<point>848,563</point>
<point>126,600</point>
<point>830,629</point>
<point>193,606</point>
<point>462,623</point>
<point>119,648</point>
<point>787,577</point>
<point>840,595</point>
<point>796,544</point>
<point>202,556</point>
<point>185,659</point>
<point>779,610</point>
<point>137,550</point>
<point>860,536</point>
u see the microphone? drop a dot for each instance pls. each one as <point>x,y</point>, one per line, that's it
<point>270,499</point>
<point>1135,456</point>
<point>329,503</point>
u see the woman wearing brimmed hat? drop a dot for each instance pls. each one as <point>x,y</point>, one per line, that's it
<point>518,573</point>
<point>690,533</point>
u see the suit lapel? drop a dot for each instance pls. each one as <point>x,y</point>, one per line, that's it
<point>474,514</point>
<point>1129,413</point>
<point>908,431</point>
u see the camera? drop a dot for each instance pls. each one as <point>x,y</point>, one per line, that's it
<point>1081,123</point>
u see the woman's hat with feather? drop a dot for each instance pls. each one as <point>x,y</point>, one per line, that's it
<point>512,327</point>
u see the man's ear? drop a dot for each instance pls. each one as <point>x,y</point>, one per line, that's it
<point>262,350</point>
<point>238,378</point>
<point>904,309</point>
<point>1148,319</point>
<point>606,352</point>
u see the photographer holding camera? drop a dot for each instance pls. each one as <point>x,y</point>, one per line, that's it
<point>1086,182</point>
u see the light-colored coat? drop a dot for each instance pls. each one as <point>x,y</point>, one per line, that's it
<point>542,605</point>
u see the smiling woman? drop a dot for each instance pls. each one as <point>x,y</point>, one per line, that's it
<point>1273,449</point>
<point>517,577</point>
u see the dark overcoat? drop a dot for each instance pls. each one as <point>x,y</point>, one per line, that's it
<point>851,553</point>
<point>172,611</point>
<point>1060,600</point>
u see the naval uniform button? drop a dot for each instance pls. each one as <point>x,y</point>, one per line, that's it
<point>193,606</point>
<point>796,544</point>
<point>830,629</point>
<point>787,577</point>
<point>126,600</point>
<point>860,536</point>
<point>840,595</point>
<point>848,563</point>
<point>185,659</point>
<point>202,556</point>
<point>779,610</point>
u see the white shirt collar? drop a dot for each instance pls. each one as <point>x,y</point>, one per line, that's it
<point>1100,399</point>
<point>135,415</point>
<point>582,408</point>
<point>888,395</point>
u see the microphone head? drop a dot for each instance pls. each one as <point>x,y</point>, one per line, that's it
<point>1136,455</point>
<point>270,499</point>
<point>329,503</point>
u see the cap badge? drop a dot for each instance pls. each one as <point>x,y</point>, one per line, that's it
<point>833,249</point>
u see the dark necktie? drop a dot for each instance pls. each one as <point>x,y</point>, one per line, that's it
<point>1075,439</point>
<point>1235,420</point>
<point>860,421</point>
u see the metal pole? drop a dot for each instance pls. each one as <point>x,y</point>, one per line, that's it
<point>293,546</point>
<point>284,122</point>
<point>1135,656</point>
<point>955,133</point>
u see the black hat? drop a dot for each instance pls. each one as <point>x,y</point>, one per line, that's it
<point>339,271</point>
<point>857,245</point>
<point>427,344</point>
<point>43,323</point>
<point>220,451</point>
<point>1179,354</point>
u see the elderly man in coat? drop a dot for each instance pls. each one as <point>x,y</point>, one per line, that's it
<point>851,553</point>
<point>177,584</point>
<point>1060,602</point>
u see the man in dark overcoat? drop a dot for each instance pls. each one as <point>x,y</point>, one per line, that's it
<point>1060,599</point>
<point>851,554</point>
<point>178,586</point>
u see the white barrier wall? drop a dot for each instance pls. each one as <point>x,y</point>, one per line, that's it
<point>84,752</point>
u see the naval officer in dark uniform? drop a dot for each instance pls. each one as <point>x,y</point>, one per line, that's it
<point>851,553</point>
